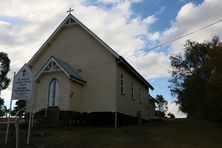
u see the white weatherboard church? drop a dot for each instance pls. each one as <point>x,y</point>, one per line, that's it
<point>76,71</point>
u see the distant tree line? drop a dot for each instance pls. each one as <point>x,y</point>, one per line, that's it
<point>197,79</point>
<point>161,105</point>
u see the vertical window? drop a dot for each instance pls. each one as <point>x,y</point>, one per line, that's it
<point>122,84</point>
<point>53,93</point>
<point>132,91</point>
<point>140,96</point>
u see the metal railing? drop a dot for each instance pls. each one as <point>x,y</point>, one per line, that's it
<point>31,118</point>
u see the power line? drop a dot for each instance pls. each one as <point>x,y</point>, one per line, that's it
<point>175,39</point>
<point>162,44</point>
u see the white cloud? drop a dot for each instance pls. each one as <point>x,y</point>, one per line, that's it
<point>154,37</point>
<point>27,27</point>
<point>192,17</point>
<point>117,25</point>
<point>4,24</point>
<point>151,65</point>
<point>174,109</point>
<point>118,1</point>
<point>150,19</point>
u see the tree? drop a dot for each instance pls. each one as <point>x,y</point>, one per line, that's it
<point>6,111</point>
<point>4,69</point>
<point>2,113</point>
<point>171,115</point>
<point>4,81</point>
<point>197,79</point>
<point>162,105</point>
<point>19,105</point>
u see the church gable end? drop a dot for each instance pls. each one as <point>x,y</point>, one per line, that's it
<point>69,21</point>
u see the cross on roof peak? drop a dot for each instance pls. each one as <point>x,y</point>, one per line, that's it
<point>70,10</point>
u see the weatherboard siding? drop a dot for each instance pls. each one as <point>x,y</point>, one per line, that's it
<point>76,98</point>
<point>125,103</point>
<point>76,47</point>
<point>64,85</point>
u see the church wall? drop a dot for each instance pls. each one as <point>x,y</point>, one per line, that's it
<point>76,98</point>
<point>43,86</point>
<point>97,65</point>
<point>125,103</point>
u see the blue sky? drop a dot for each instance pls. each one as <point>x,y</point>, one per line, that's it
<point>128,26</point>
<point>166,11</point>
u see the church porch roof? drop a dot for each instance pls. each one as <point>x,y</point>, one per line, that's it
<point>55,64</point>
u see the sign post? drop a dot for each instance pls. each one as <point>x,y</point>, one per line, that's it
<point>22,90</point>
<point>9,116</point>
<point>29,128</point>
<point>16,132</point>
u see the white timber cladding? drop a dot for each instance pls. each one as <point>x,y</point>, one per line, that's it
<point>140,96</point>
<point>43,90</point>
<point>125,103</point>
<point>76,97</point>
<point>109,86</point>
<point>97,67</point>
<point>132,90</point>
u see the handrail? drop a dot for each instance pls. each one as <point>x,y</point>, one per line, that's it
<point>44,103</point>
<point>30,105</point>
<point>24,108</point>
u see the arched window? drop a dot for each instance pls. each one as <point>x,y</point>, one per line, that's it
<point>53,93</point>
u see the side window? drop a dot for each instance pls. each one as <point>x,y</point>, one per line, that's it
<point>122,84</point>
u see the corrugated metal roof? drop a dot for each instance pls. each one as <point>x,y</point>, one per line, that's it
<point>72,72</point>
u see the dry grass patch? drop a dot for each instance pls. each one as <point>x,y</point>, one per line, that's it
<point>179,133</point>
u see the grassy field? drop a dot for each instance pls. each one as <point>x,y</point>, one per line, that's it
<point>178,133</point>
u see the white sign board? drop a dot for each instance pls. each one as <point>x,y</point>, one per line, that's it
<point>22,84</point>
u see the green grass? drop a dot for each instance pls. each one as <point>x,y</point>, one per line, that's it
<point>179,133</point>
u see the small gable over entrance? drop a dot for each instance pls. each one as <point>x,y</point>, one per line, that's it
<point>54,65</point>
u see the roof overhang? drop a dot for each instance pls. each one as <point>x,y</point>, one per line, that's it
<point>152,99</point>
<point>125,63</point>
<point>60,68</point>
